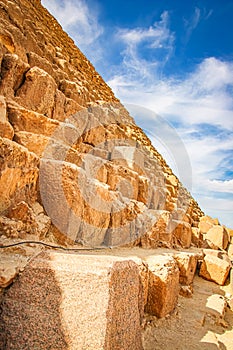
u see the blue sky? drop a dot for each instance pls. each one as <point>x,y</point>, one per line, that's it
<point>174,60</point>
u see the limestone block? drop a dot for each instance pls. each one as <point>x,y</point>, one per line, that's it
<point>35,60</point>
<point>215,309</point>
<point>23,119</point>
<point>163,287</point>
<point>70,301</point>
<point>215,269</point>
<point>18,174</point>
<point>206,223</point>
<point>217,237</point>
<point>85,204</point>
<point>33,142</point>
<point>159,232</point>
<point>12,74</point>
<point>187,263</point>
<point>196,236</point>
<point>6,129</point>
<point>71,90</point>
<point>218,253</point>
<point>38,91</point>
<point>182,233</point>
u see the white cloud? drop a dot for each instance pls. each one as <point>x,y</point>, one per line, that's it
<point>192,23</point>
<point>80,22</point>
<point>157,39</point>
<point>221,186</point>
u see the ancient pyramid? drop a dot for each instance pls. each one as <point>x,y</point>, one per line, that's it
<point>76,171</point>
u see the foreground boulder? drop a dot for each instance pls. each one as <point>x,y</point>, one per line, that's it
<point>73,302</point>
<point>215,269</point>
<point>217,237</point>
<point>163,287</point>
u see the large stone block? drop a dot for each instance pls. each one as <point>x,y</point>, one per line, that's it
<point>182,233</point>
<point>206,223</point>
<point>70,301</point>
<point>38,91</point>
<point>187,263</point>
<point>215,269</point>
<point>163,286</point>
<point>12,74</point>
<point>217,237</point>
<point>18,174</point>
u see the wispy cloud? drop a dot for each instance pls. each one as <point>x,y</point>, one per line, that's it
<point>157,41</point>
<point>191,23</point>
<point>80,21</point>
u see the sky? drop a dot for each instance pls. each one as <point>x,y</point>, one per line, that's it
<point>171,64</point>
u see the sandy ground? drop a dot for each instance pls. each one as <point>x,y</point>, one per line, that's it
<point>191,325</point>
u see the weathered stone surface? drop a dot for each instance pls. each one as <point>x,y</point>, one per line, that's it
<point>160,233</point>
<point>215,309</point>
<point>182,233</point>
<point>12,74</point>
<point>186,291</point>
<point>18,174</point>
<point>221,254</point>
<point>215,269</point>
<point>196,236</point>
<point>187,263</point>
<point>6,129</point>
<point>22,221</point>
<point>38,91</point>
<point>206,223</point>
<point>73,302</point>
<point>33,142</point>
<point>23,119</point>
<point>7,275</point>
<point>163,287</point>
<point>217,237</point>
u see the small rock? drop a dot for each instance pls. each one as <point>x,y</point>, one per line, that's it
<point>186,291</point>
<point>7,275</point>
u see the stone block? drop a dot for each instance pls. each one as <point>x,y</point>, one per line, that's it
<point>187,263</point>
<point>38,91</point>
<point>70,301</point>
<point>221,254</point>
<point>215,309</point>
<point>217,237</point>
<point>12,74</point>
<point>163,285</point>
<point>182,233</point>
<point>206,223</point>
<point>18,174</point>
<point>215,269</point>
<point>6,129</point>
